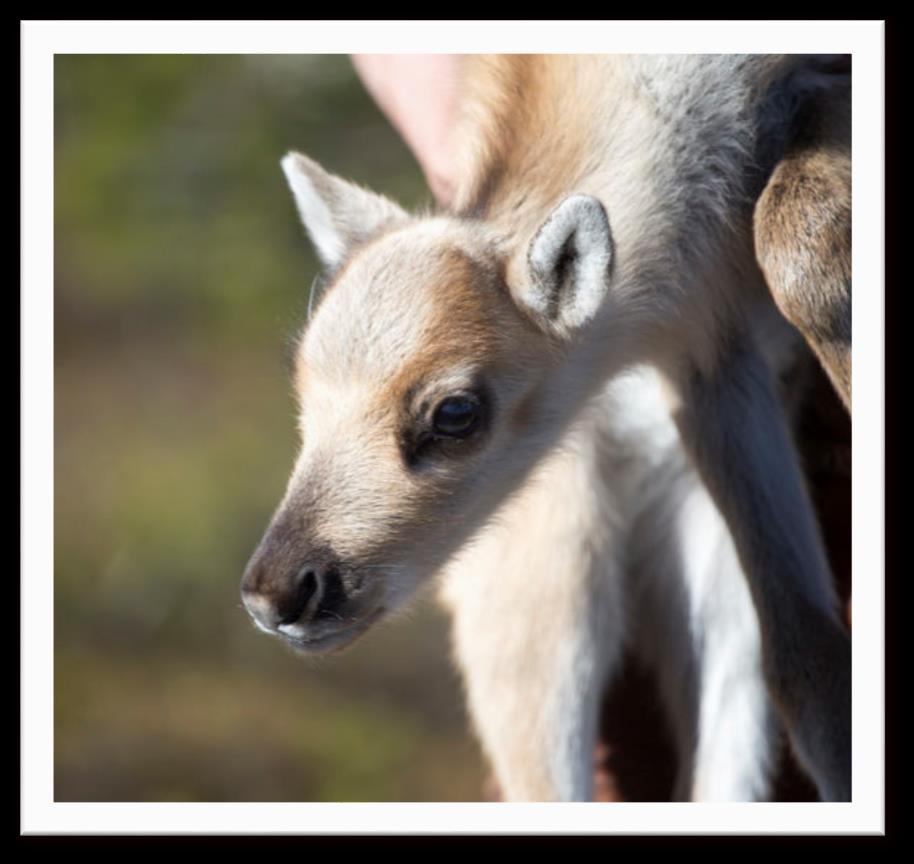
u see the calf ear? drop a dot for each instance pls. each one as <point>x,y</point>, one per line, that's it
<point>337,214</point>
<point>568,263</point>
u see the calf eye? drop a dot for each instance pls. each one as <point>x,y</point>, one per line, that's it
<point>456,417</point>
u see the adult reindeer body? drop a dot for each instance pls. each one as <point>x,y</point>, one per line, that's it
<point>603,220</point>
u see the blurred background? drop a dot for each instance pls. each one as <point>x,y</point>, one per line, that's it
<point>181,274</point>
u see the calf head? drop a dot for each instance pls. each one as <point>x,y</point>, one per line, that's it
<point>423,386</point>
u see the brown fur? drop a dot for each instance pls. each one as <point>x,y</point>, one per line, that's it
<point>478,333</point>
<point>803,235</point>
<point>514,172</point>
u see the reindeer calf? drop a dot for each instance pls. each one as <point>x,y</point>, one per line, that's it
<point>454,360</point>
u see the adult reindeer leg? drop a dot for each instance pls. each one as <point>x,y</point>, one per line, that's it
<point>732,424</point>
<point>803,232</point>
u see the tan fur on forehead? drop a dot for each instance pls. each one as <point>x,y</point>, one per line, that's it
<point>412,295</point>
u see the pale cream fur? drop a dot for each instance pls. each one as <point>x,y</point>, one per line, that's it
<point>604,220</point>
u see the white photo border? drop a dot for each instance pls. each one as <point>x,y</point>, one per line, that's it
<point>40,41</point>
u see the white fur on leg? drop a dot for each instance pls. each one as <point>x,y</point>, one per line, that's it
<point>690,614</point>
<point>733,747</point>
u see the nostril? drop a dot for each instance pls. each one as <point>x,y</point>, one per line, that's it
<point>333,596</point>
<point>293,607</point>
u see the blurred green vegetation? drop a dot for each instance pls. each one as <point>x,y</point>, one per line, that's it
<point>180,272</point>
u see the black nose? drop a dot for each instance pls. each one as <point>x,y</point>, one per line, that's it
<point>278,592</point>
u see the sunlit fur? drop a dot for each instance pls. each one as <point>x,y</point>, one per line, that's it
<point>803,233</point>
<point>614,542</point>
<point>631,181</point>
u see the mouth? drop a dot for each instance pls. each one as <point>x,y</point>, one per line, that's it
<point>327,643</point>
